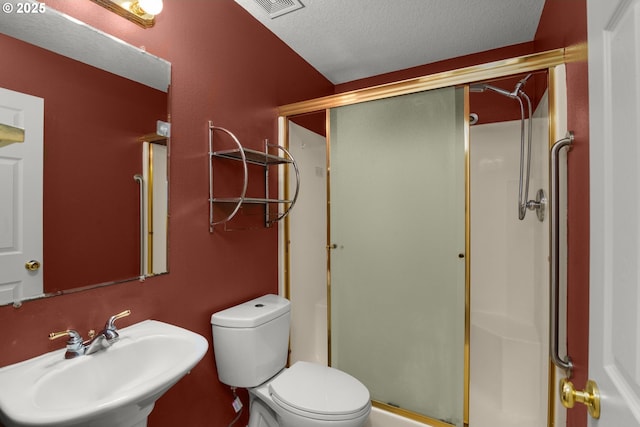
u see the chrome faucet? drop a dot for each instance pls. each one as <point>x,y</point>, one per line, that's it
<point>75,346</point>
<point>104,339</point>
<point>107,336</point>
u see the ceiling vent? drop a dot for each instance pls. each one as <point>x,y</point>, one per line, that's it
<point>277,8</point>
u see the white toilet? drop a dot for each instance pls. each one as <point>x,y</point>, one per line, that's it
<point>251,343</point>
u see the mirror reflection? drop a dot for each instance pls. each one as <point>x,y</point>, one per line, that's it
<point>94,210</point>
<point>154,189</point>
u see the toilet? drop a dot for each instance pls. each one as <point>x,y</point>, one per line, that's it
<point>251,344</point>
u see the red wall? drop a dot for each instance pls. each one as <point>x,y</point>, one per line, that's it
<point>564,23</point>
<point>440,66</point>
<point>226,68</point>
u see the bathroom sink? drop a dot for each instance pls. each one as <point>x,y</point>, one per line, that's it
<point>116,387</point>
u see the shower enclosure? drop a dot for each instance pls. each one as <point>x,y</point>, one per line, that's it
<point>406,262</point>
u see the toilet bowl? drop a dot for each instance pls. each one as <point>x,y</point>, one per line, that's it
<point>310,395</point>
<point>251,345</point>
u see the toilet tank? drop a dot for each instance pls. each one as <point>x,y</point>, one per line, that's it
<point>251,340</point>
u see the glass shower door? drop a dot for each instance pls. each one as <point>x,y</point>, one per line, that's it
<point>397,233</point>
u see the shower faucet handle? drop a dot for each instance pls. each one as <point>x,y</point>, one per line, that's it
<point>539,205</point>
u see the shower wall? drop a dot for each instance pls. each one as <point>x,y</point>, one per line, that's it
<point>308,271</point>
<point>509,279</point>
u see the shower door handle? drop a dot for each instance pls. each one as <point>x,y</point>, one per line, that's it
<point>554,288</point>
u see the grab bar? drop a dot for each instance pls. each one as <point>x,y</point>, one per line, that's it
<point>554,291</point>
<point>138,178</point>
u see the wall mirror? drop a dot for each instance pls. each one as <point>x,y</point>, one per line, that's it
<point>105,169</point>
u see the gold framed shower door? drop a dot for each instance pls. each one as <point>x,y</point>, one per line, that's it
<point>463,76</point>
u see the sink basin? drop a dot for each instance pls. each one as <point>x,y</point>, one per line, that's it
<point>116,387</point>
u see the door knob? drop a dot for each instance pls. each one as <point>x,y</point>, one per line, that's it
<point>590,396</point>
<point>32,265</point>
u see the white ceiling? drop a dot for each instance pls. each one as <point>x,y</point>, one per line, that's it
<point>347,40</point>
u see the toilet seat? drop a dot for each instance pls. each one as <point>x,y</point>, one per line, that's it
<point>320,392</point>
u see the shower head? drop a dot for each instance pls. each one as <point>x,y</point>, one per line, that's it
<point>502,91</point>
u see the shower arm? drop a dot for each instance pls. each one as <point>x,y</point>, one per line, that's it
<point>554,291</point>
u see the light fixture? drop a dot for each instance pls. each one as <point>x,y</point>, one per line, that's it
<point>152,7</point>
<point>140,12</point>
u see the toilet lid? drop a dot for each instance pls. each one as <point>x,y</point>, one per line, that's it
<point>319,391</point>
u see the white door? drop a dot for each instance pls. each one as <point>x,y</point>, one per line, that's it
<point>614,92</point>
<point>21,166</point>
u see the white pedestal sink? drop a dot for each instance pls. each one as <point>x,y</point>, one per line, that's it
<point>116,387</point>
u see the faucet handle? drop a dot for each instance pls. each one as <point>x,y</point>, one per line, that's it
<point>74,343</point>
<point>74,336</point>
<point>111,322</point>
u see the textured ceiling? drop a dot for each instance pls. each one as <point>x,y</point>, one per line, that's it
<point>346,40</point>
